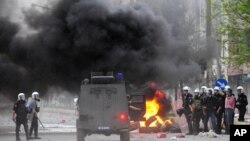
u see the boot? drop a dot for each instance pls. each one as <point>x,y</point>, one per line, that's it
<point>36,137</point>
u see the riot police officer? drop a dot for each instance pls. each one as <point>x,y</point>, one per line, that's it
<point>203,96</point>
<point>34,119</point>
<point>210,107</point>
<point>187,105</point>
<point>220,108</point>
<point>241,103</point>
<point>197,111</point>
<point>20,112</point>
<point>203,92</point>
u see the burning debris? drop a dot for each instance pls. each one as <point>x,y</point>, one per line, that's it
<point>156,112</point>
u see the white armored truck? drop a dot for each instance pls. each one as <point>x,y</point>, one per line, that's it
<point>103,107</point>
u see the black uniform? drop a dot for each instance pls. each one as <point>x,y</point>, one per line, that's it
<point>203,104</point>
<point>21,117</point>
<point>34,123</point>
<point>210,104</point>
<point>220,109</point>
<point>241,104</point>
<point>187,101</point>
<point>197,113</point>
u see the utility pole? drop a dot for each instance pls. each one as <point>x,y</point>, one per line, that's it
<point>208,40</point>
<point>219,75</point>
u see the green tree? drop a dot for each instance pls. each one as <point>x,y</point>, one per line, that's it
<point>236,26</point>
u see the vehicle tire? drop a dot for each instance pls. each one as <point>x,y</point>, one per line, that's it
<point>81,134</point>
<point>124,136</point>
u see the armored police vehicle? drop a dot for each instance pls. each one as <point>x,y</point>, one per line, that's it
<point>103,107</point>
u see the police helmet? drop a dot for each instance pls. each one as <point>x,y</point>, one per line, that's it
<point>35,95</point>
<point>203,88</point>
<point>217,88</point>
<point>227,87</point>
<point>21,96</point>
<point>186,88</point>
<point>240,88</point>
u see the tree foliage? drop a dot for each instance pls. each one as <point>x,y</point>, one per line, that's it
<point>235,25</point>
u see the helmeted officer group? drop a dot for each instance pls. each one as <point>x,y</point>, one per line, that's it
<point>23,111</point>
<point>213,104</point>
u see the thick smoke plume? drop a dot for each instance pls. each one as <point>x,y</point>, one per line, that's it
<point>79,36</point>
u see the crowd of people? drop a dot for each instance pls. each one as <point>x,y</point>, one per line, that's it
<point>206,103</point>
<point>214,104</point>
<point>24,111</point>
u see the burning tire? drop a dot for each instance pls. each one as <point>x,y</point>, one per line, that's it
<point>157,118</point>
<point>149,130</point>
<point>146,128</point>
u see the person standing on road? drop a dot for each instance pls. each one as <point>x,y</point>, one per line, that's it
<point>229,109</point>
<point>203,97</point>
<point>187,105</point>
<point>197,111</point>
<point>19,116</point>
<point>203,93</point>
<point>210,107</point>
<point>34,117</point>
<point>220,108</point>
<point>225,93</point>
<point>241,103</point>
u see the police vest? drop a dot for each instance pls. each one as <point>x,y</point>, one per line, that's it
<point>21,110</point>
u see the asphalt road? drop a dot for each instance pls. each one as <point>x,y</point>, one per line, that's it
<point>134,137</point>
<point>56,130</point>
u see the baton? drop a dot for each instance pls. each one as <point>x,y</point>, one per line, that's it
<point>40,122</point>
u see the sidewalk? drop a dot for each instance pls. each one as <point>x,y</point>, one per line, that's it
<point>246,122</point>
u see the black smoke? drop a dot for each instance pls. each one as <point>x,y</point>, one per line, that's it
<point>11,74</point>
<point>79,36</point>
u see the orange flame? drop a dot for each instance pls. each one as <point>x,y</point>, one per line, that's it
<point>152,109</point>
